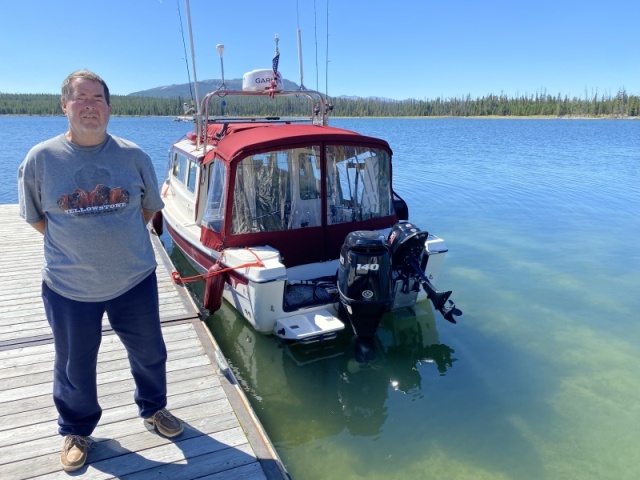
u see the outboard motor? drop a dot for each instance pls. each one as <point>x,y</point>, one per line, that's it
<point>364,280</point>
<point>407,246</point>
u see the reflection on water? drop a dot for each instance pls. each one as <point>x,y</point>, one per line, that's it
<point>293,380</point>
<point>305,392</point>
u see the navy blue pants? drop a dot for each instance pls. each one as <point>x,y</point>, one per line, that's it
<point>77,333</point>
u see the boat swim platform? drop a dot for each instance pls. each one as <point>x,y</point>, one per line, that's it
<point>223,438</point>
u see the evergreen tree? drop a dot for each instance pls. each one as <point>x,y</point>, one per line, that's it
<point>540,104</point>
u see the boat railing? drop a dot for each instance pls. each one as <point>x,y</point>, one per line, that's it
<point>318,105</point>
<point>317,115</point>
<point>269,119</point>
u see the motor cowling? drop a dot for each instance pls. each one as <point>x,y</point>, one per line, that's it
<point>407,247</point>
<point>364,280</point>
<point>406,240</point>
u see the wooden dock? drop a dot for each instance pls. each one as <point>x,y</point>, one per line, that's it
<point>223,439</point>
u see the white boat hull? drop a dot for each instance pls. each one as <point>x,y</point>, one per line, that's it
<point>258,293</point>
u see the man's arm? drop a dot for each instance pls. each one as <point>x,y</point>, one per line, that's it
<point>40,226</point>
<point>147,215</point>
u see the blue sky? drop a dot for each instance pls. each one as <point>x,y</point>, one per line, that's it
<point>420,49</point>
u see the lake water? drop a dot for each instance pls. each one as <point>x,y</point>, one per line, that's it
<point>539,379</point>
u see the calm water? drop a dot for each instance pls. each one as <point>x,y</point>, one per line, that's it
<point>540,377</point>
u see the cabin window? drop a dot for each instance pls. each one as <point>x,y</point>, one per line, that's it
<point>358,185</point>
<point>214,211</point>
<point>185,171</point>
<point>192,177</point>
<point>179,170</point>
<point>277,191</point>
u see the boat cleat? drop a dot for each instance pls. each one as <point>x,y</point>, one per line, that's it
<point>308,327</point>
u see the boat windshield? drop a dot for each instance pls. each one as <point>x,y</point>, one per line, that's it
<point>283,189</point>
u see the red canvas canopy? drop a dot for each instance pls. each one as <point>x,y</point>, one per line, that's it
<point>235,142</point>
<point>242,139</point>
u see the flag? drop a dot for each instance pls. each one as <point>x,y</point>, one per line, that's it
<point>274,65</point>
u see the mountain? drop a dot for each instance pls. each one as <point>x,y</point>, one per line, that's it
<point>205,86</point>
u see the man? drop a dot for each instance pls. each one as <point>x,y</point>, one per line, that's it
<point>91,195</point>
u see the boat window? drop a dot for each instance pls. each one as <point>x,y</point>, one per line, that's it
<point>358,186</point>
<point>192,177</point>
<point>179,169</point>
<point>185,171</point>
<point>277,191</point>
<point>214,211</point>
<point>309,176</point>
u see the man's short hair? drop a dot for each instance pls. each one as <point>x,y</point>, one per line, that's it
<point>89,75</point>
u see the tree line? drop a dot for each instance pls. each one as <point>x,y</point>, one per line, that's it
<point>541,104</point>
<point>49,104</point>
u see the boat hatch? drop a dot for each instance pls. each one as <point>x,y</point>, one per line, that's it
<point>309,327</point>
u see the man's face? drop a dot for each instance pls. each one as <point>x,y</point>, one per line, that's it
<point>87,112</point>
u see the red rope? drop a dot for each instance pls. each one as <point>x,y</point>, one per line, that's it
<point>177,278</point>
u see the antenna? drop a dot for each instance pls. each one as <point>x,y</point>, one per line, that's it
<point>300,58</point>
<point>220,49</point>
<point>186,60</point>
<point>195,80</point>
<point>299,33</point>
<point>315,29</point>
<point>326,71</point>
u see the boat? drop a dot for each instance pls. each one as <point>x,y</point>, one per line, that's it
<point>293,222</point>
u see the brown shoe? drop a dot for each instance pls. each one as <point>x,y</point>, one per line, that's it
<point>165,423</point>
<point>74,452</point>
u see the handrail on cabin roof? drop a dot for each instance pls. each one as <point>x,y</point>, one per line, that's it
<point>318,116</point>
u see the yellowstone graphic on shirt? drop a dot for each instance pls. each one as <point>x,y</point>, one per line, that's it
<point>101,200</point>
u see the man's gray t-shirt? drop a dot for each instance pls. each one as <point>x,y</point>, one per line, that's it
<point>96,245</point>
